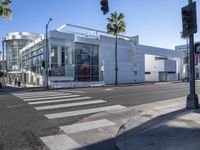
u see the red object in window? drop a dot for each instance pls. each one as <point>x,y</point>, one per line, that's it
<point>196,59</point>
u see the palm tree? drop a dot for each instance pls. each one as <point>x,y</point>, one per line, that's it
<point>183,36</point>
<point>5,12</point>
<point>115,26</point>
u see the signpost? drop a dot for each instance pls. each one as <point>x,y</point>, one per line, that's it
<point>189,28</point>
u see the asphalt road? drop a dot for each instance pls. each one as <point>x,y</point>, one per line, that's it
<point>21,125</point>
<point>139,94</point>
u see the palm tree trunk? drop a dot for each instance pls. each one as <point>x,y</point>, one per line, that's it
<point>116,65</point>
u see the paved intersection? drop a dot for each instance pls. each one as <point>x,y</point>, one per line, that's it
<point>58,106</point>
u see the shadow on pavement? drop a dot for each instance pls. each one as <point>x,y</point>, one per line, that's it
<point>172,131</point>
<point>166,132</point>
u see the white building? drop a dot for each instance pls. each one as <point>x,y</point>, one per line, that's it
<point>162,64</point>
<point>12,43</point>
<point>80,59</point>
<point>186,50</point>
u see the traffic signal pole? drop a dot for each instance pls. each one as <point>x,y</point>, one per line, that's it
<point>192,98</point>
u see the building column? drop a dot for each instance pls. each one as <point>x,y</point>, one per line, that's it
<point>59,54</point>
<point>69,56</point>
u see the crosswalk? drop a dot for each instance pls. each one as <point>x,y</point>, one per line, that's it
<point>46,101</point>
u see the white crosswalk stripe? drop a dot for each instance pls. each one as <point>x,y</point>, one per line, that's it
<point>86,126</point>
<point>40,96</point>
<point>43,98</point>
<point>70,104</point>
<point>61,142</point>
<point>83,112</point>
<point>32,93</point>
<point>64,100</point>
<point>60,100</point>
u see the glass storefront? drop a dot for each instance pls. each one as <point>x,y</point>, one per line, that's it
<point>62,60</point>
<point>12,53</point>
<point>73,61</point>
<point>87,62</point>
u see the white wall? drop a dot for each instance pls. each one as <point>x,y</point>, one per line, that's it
<point>130,62</point>
<point>155,66</point>
<point>151,66</point>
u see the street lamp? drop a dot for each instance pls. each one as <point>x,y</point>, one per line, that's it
<point>47,55</point>
<point>3,60</point>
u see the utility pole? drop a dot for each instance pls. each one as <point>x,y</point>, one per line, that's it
<point>189,28</point>
<point>47,55</point>
<point>3,63</point>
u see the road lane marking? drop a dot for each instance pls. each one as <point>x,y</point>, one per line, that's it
<point>70,105</point>
<point>83,112</point>
<point>61,100</point>
<point>86,126</point>
<point>61,142</point>
<point>48,98</point>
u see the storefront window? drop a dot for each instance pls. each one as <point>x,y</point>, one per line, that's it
<point>54,56</point>
<point>56,70</point>
<point>87,62</point>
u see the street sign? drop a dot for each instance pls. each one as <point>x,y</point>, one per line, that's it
<point>189,19</point>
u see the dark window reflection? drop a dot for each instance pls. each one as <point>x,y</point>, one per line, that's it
<point>87,62</point>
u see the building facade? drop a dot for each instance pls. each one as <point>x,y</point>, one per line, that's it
<point>80,59</point>
<point>12,44</point>
<point>162,64</point>
<point>186,61</point>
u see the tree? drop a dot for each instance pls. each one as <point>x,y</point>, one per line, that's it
<point>115,26</point>
<point>5,12</point>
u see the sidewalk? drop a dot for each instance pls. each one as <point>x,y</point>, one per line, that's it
<point>164,125</point>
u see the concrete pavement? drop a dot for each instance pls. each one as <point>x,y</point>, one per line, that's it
<point>164,125</point>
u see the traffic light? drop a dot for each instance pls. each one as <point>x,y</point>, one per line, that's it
<point>197,48</point>
<point>1,74</point>
<point>43,64</point>
<point>189,20</point>
<point>104,6</point>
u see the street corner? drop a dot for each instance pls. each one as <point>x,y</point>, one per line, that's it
<point>175,130</point>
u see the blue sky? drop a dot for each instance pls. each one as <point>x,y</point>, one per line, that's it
<point>157,22</point>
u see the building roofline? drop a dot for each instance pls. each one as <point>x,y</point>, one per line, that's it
<point>61,29</point>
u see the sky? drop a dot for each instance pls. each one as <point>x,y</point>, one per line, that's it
<point>157,22</point>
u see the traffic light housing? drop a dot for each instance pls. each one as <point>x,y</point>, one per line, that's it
<point>189,20</point>
<point>104,6</point>
<point>1,74</point>
<point>197,48</point>
<point>43,64</point>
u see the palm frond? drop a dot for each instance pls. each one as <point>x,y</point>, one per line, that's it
<point>5,2</point>
<point>5,12</point>
<point>116,23</point>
